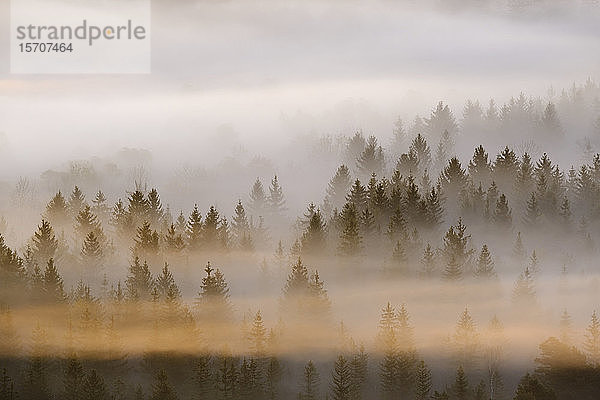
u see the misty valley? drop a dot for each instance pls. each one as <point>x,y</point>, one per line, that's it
<point>452,259</point>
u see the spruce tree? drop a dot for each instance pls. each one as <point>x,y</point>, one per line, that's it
<point>357,196</point>
<point>485,265</point>
<point>45,243</point>
<point>338,187</point>
<point>466,344</point>
<point>203,380</point>
<point>460,388</point>
<point>91,252</point>
<point>174,240</point>
<point>258,336</point>
<point>276,200</point>
<point>7,387</point>
<point>314,237</point>
<point>100,208</point>
<point>76,201</point>
<point>93,387</point>
<point>532,212</point>
<point>258,198</point>
<point>423,382</point>
<point>213,297</point>
<point>241,228</point>
<point>146,242</point>
<point>479,167</point>
<point>35,384</point>
<point>139,281</point>
<point>428,262</point>
<point>161,388</point>
<point>210,229</point>
<point>503,214</point>
<point>371,159</point>
<point>194,230</point>
<point>350,243</point>
<point>155,211</point>
<point>310,383</point>
<point>57,210</point>
<point>341,379</point>
<point>53,284</point>
<point>73,379</point>
<point>592,340</point>
<point>524,291</point>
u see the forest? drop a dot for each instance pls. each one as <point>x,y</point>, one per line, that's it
<point>454,257</point>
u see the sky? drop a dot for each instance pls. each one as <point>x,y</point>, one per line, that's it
<point>257,73</point>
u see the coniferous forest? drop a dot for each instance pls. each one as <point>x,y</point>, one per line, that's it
<point>452,257</point>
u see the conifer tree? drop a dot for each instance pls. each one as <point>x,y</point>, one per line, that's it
<point>203,381</point>
<point>45,243</point>
<point>453,178</point>
<point>341,379</point>
<point>531,388</point>
<point>338,187</point>
<point>7,387</point>
<point>423,382</point>
<point>87,222</point>
<point>479,167</point>
<point>276,201</point>
<point>273,374</point>
<point>592,340</point>
<point>258,198</point>
<point>503,214</point>
<point>227,379</point>
<point>258,336</point>
<point>12,271</point>
<point>57,210</point>
<point>146,242</point>
<point>524,292</point>
<point>460,388</point>
<point>161,388</point>
<point>174,240</point>
<point>435,211</point>
<point>388,342</point>
<point>456,245</point>
<point>137,209</point>
<point>397,226</point>
<point>76,201</point>
<point>359,365</point>
<point>350,243</point>
<point>241,228</point>
<point>371,159</point>
<point>565,212</point>
<point>100,208</point>
<point>213,298</point>
<point>428,262</point>
<point>485,265</point>
<point>35,384</point>
<point>525,182</point>
<point>94,387</point>
<point>9,338</point>
<point>53,284</point>
<point>532,212</point>
<point>73,379</point>
<point>210,229</point>
<point>566,328</point>
<point>422,152</point>
<point>194,230</point>
<point>155,209</point>
<point>310,383</point>
<point>91,252</point>
<point>139,281</point>
<point>466,342</point>
<point>357,196</point>
<point>313,238</point>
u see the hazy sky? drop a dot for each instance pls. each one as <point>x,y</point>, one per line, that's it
<point>329,66</point>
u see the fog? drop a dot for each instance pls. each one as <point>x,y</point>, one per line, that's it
<point>297,189</point>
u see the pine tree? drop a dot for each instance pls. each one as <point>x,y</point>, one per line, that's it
<point>371,159</point>
<point>532,213</point>
<point>531,388</point>
<point>460,387</point>
<point>350,239</point>
<point>428,262</point>
<point>485,265</point>
<point>91,252</point>
<point>258,198</point>
<point>227,379</point>
<point>518,249</point>
<point>422,152</point>
<point>388,343</point>
<point>565,212</point>
<point>273,378</point>
<point>258,336</point>
<point>155,210</point>
<point>502,214</point>
<point>435,211</point>
<point>466,343</point>
<point>203,381</point>
<point>139,282</point>
<point>161,388</point>
<point>53,284</point>
<point>146,242</point>
<point>12,271</point>
<point>359,370</point>
<point>194,230</point>
<point>35,385</point>
<point>100,208</point>
<point>45,243</point>
<point>314,237</point>
<point>357,197</point>
<point>453,178</point>
<point>7,387</point>
<point>423,382</point>
<point>174,240</point>
<point>87,222</point>
<point>479,167</point>
<point>94,387</point>
<point>592,340</point>
<point>341,379</point>
<point>524,292</point>
<point>213,298</point>
<point>57,210</point>
<point>211,229</point>
<point>276,201</point>
<point>76,201</point>
<point>241,228</point>
<point>456,245</point>
<point>310,383</point>
<point>73,379</point>
<point>338,187</point>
